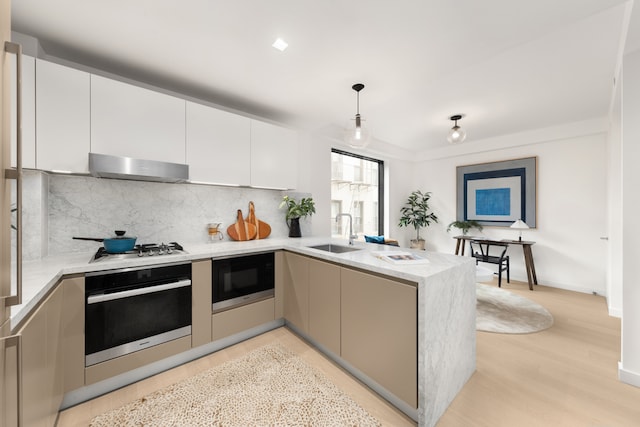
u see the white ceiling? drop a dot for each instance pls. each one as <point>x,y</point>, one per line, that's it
<point>509,66</point>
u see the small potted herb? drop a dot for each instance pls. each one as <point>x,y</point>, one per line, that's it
<point>416,212</point>
<point>295,211</point>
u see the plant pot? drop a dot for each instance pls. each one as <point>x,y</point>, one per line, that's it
<point>417,244</point>
<point>294,227</point>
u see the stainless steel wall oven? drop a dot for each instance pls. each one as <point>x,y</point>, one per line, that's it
<point>241,280</point>
<point>135,308</point>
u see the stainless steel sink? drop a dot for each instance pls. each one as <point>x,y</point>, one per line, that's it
<point>336,249</point>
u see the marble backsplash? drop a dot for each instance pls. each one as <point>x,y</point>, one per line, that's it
<point>63,206</point>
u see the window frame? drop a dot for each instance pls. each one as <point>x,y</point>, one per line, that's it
<point>380,183</point>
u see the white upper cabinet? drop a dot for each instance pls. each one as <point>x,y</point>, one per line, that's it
<point>218,146</point>
<point>130,121</point>
<point>62,111</point>
<point>28,115</point>
<point>274,156</point>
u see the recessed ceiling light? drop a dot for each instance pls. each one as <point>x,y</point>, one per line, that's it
<point>280,44</point>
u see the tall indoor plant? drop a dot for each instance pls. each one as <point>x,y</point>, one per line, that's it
<point>416,212</point>
<point>295,211</point>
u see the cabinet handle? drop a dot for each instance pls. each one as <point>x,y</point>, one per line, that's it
<point>16,173</point>
<point>16,341</point>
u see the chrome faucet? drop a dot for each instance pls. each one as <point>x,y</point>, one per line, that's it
<point>351,235</point>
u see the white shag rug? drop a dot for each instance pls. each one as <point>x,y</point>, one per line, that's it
<point>498,310</point>
<point>269,386</point>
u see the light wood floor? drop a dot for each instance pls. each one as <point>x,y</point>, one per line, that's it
<point>564,376</point>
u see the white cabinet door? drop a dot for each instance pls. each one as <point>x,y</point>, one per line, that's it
<point>131,121</point>
<point>274,156</point>
<point>28,112</point>
<point>62,110</point>
<point>218,146</point>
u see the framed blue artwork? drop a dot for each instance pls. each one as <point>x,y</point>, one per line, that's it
<point>497,193</point>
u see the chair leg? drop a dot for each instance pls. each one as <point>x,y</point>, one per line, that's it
<point>508,278</point>
<point>499,276</point>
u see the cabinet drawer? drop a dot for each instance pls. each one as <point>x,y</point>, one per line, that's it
<point>242,318</point>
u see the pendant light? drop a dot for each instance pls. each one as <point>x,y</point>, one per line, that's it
<point>456,134</point>
<point>359,136</point>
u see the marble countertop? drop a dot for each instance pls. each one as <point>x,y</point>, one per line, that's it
<point>39,277</point>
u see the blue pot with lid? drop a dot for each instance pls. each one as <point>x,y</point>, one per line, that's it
<point>114,245</point>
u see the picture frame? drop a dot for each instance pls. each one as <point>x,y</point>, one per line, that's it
<point>497,193</point>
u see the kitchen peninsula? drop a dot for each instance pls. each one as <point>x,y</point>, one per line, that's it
<point>444,289</point>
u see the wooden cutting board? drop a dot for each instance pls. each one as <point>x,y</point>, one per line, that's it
<point>242,230</point>
<point>262,228</point>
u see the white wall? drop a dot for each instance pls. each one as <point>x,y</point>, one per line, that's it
<point>572,199</point>
<point>629,369</point>
<point>614,212</point>
<point>571,209</point>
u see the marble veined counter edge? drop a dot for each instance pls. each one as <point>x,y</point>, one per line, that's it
<point>40,276</point>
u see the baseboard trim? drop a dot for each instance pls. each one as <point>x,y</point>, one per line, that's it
<point>628,377</point>
<point>615,312</point>
<point>371,383</point>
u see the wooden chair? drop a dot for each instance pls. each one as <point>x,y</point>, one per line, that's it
<point>482,251</point>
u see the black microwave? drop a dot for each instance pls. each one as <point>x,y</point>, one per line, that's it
<point>242,280</point>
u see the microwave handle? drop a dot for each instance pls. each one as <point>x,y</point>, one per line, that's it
<point>94,299</point>
<point>16,173</point>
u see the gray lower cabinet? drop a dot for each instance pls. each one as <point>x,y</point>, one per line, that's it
<point>240,319</point>
<point>72,332</point>
<point>379,331</point>
<point>369,321</point>
<point>201,302</point>
<point>42,383</point>
<point>312,299</point>
<point>296,291</point>
<point>324,304</point>
<point>52,355</point>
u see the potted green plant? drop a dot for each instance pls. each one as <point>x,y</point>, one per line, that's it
<point>465,226</point>
<point>416,212</point>
<point>295,211</point>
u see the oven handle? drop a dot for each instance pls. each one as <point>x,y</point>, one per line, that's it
<point>93,299</point>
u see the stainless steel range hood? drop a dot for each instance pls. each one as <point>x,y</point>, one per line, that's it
<point>105,166</point>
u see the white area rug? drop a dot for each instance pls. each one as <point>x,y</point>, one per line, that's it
<point>269,386</point>
<point>504,312</point>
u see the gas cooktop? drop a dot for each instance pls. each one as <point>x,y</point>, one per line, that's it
<point>144,250</point>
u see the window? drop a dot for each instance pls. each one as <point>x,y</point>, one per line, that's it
<point>336,208</point>
<point>356,184</point>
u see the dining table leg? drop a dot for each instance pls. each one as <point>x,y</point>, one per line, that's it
<point>531,269</point>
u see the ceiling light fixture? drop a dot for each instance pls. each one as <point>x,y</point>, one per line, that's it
<point>360,136</point>
<point>456,134</point>
<point>280,44</point>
